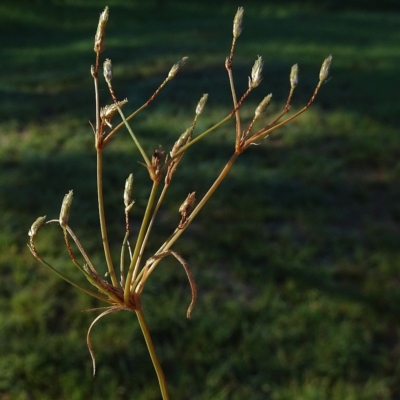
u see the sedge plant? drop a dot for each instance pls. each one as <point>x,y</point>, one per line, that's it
<point>126,282</point>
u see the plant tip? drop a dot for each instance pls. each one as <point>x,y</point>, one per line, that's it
<point>237,22</point>
<point>101,31</point>
<point>262,106</point>
<point>128,191</point>
<point>65,207</point>
<point>326,65</point>
<point>107,70</point>
<point>176,67</point>
<point>202,102</point>
<point>256,73</point>
<point>294,76</point>
<point>36,225</point>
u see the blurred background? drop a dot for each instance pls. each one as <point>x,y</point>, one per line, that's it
<point>296,256</point>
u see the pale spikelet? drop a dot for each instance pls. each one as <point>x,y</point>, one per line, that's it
<point>101,31</point>
<point>180,142</point>
<point>237,23</point>
<point>36,225</point>
<point>262,106</point>
<point>294,76</point>
<point>107,112</point>
<point>128,190</point>
<point>326,65</point>
<point>187,206</point>
<point>176,67</point>
<point>65,207</point>
<point>202,102</point>
<point>107,70</point>
<point>256,73</point>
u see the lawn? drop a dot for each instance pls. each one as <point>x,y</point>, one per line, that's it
<point>296,257</point>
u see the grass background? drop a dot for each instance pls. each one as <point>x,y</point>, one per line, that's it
<point>296,257</point>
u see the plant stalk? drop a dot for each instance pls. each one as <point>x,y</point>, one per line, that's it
<point>150,346</point>
<point>102,218</point>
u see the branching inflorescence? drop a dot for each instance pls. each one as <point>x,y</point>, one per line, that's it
<point>124,293</point>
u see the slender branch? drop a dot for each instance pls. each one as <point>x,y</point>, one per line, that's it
<point>70,281</point>
<point>265,132</point>
<point>102,218</point>
<point>142,107</point>
<point>122,260</point>
<point>178,232</point>
<point>146,238</point>
<point>81,249</point>
<point>197,138</point>
<point>228,66</point>
<point>133,267</point>
<point>137,143</point>
<point>150,346</point>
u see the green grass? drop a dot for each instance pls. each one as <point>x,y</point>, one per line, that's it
<point>296,257</point>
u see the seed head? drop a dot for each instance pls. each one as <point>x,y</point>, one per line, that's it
<point>65,207</point>
<point>187,206</point>
<point>176,67</point>
<point>107,112</point>
<point>156,159</point>
<point>262,106</point>
<point>237,22</point>
<point>101,31</point>
<point>294,76</point>
<point>181,141</point>
<point>202,102</point>
<point>107,70</point>
<point>36,225</point>
<point>128,190</point>
<point>326,65</point>
<point>256,73</point>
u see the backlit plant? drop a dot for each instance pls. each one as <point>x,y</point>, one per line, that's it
<point>125,284</point>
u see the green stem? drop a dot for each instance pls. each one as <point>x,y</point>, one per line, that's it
<point>201,136</point>
<point>147,235</point>
<point>71,282</point>
<point>121,124</point>
<point>178,232</point>
<point>142,152</point>
<point>122,261</point>
<point>134,265</point>
<point>150,346</point>
<point>265,132</point>
<point>102,218</point>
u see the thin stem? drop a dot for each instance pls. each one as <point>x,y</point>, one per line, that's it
<point>283,112</point>
<point>71,282</point>
<point>228,66</point>
<point>143,106</point>
<point>201,136</point>
<point>122,260</point>
<point>150,346</point>
<point>102,218</point>
<point>81,249</point>
<point>138,145</point>
<point>97,100</point>
<point>178,232</point>
<point>133,267</point>
<point>121,124</point>
<point>265,132</point>
<point>146,238</point>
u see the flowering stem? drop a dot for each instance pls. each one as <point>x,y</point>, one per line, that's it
<point>265,132</point>
<point>70,281</point>
<point>150,346</point>
<point>178,232</point>
<point>134,265</point>
<point>102,218</point>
